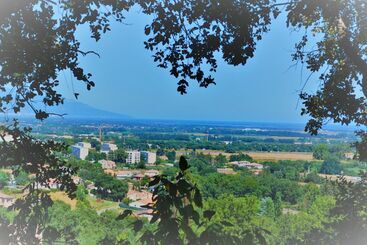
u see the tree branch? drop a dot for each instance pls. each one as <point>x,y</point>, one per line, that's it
<point>89,52</point>
<point>352,52</point>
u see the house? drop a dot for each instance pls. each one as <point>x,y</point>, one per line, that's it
<point>138,176</point>
<point>125,174</point>
<point>5,200</point>
<point>349,155</point>
<point>107,164</point>
<point>76,179</point>
<point>90,188</point>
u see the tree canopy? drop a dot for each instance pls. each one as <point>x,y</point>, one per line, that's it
<point>38,41</point>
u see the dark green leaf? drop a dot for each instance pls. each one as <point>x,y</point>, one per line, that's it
<point>226,223</point>
<point>208,214</point>
<point>198,198</point>
<point>155,181</point>
<point>183,163</point>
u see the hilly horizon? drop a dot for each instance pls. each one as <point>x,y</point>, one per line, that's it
<point>77,110</point>
<point>73,109</point>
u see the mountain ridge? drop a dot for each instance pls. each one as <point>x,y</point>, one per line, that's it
<point>75,110</point>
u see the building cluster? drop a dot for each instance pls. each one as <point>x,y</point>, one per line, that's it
<point>246,164</point>
<point>352,179</point>
<point>133,173</point>
<point>255,168</point>
<point>134,157</point>
<point>81,150</point>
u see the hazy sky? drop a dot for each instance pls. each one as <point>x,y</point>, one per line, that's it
<point>128,81</point>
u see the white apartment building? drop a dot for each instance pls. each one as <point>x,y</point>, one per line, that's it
<point>150,157</point>
<point>133,157</point>
<point>107,147</point>
<point>79,152</point>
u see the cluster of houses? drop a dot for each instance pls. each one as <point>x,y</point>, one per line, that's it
<point>256,168</point>
<point>246,164</point>
<point>352,179</point>
<point>81,150</point>
<point>135,174</point>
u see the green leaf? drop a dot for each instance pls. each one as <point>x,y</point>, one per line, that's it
<point>226,223</point>
<point>183,163</point>
<point>184,187</point>
<point>154,218</point>
<point>138,225</point>
<point>198,198</point>
<point>196,217</point>
<point>124,214</point>
<point>155,181</point>
<point>208,214</point>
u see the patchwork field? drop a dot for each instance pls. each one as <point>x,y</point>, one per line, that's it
<point>261,155</point>
<point>276,156</point>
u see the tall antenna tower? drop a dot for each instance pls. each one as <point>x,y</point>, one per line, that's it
<point>100,134</point>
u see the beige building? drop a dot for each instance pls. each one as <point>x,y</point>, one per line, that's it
<point>79,151</point>
<point>149,157</point>
<point>107,164</point>
<point>107,147</point>
<point>133,157</point>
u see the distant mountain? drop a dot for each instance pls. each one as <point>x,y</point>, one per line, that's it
<point>77,110</point>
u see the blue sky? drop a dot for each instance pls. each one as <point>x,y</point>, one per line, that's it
<point>128,81</point>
